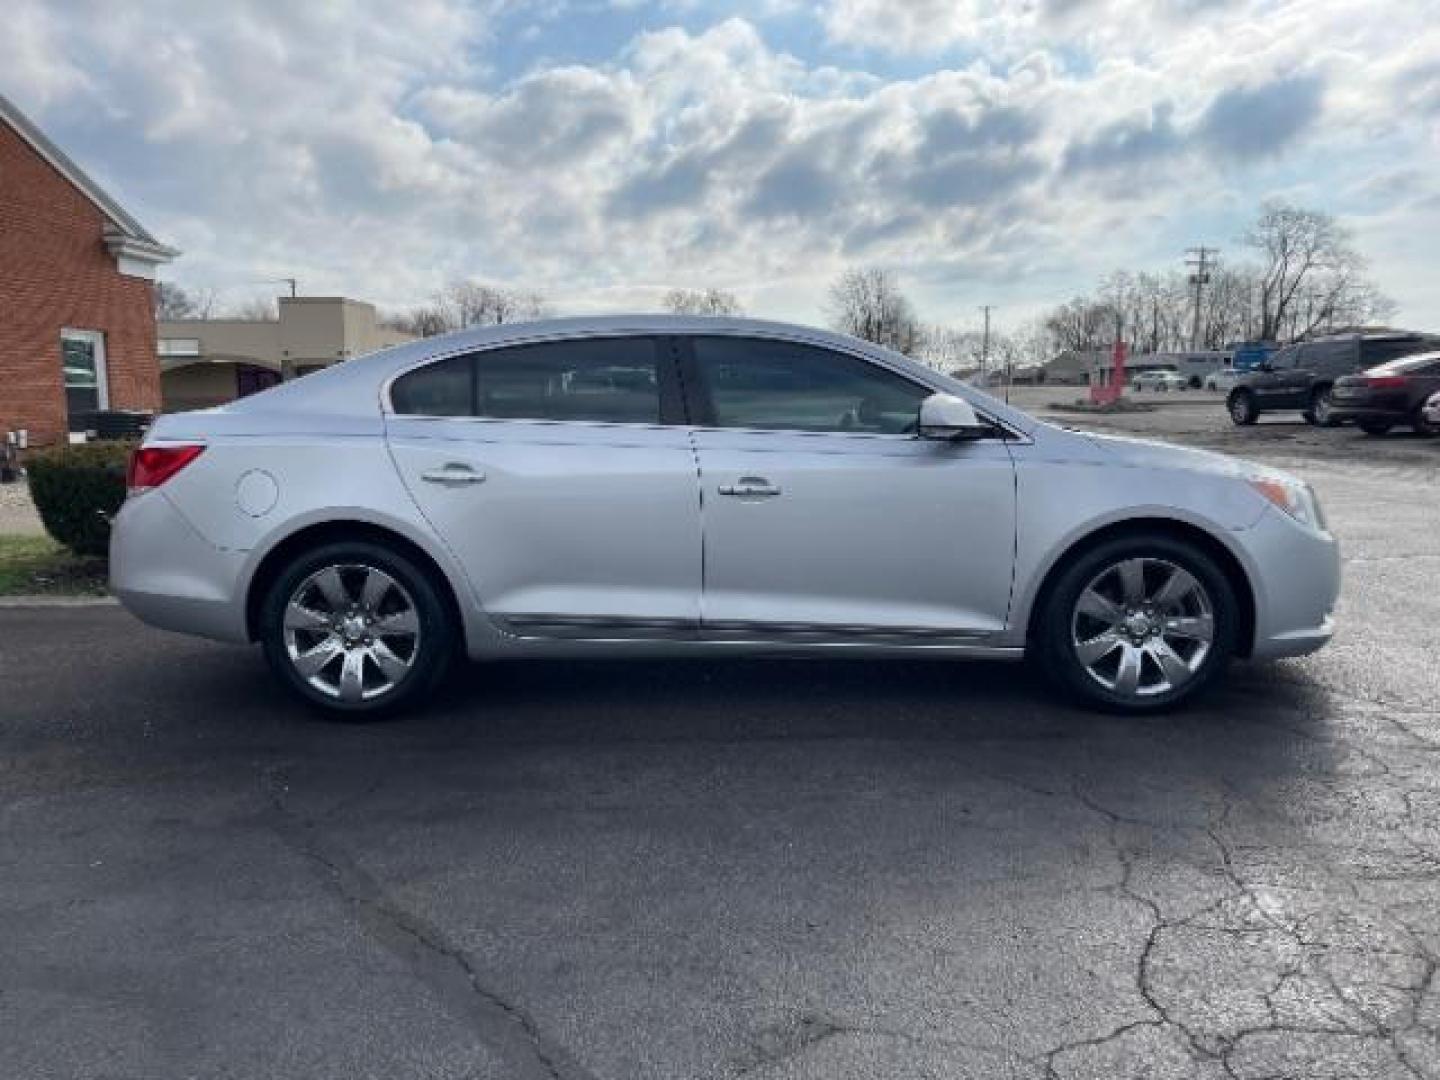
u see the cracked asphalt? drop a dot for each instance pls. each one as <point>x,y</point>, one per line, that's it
<point>740,868</point>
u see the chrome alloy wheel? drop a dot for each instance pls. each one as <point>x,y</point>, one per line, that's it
<point>1142,627</point>
<point>352,632</point>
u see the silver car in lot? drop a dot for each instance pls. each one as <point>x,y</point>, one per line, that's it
<point>648,485</point>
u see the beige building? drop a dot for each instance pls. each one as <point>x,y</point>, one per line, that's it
<point>206,362</point>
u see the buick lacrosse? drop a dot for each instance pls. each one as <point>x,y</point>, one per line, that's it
<point>665,485</point>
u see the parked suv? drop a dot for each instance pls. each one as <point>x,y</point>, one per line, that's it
<point>1300,376</point>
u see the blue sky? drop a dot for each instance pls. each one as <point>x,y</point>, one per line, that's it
<point>603,151</point>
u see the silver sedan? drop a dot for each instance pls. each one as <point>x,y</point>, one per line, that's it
<point>662,485</point>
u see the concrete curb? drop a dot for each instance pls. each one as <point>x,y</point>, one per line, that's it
<point>57,602</point>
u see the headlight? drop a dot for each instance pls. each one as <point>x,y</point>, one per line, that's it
<point>1294,497</point>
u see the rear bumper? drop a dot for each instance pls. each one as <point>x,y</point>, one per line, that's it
<point>168,575</point>
<point>1357,413</point>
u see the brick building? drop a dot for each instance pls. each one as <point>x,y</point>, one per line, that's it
<point>77,321</point>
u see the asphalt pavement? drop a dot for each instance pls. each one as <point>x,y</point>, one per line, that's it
<point>731,868</point>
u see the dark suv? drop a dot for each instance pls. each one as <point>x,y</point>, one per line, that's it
<point>1300,376</point>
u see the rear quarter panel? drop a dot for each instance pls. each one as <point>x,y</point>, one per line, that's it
<point>322,470</point>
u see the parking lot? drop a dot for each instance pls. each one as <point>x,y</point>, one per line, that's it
<point>742,868</point>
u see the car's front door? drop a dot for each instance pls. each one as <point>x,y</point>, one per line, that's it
<point>825,517</point>
<point>1276,385</point>
<point>561,476</point>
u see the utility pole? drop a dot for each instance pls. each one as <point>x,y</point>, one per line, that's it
<point>985,343</point>
<point>1200,278</point>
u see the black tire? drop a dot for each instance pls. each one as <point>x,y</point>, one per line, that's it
<point>1375,427</point>
<point>1321,408</point>
<point>1054,650</point>
<point>1421,426</point>
<point>433,648</point>
<point>1242,408</point>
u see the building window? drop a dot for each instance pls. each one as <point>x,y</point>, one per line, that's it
<point>82,360</point>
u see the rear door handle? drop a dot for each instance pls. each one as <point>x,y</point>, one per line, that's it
<point>453,475</point>
<point>750,487</point>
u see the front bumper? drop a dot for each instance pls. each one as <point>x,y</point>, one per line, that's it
<point>168,575</point>
<point>1297,582</point>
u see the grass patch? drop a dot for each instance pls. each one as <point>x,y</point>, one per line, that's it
<point>37,566</point>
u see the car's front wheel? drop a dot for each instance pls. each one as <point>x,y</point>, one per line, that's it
<point>356,629</point>
<point>1242,408</point>
<point>1138,624</point>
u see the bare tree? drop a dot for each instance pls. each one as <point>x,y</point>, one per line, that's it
<point>175,302</point>
<point>947,349</point>
<point>1081,325</point>
<point>868,303</point>
<point>473,303</point>
<point>1310,276</point>
<point>256,309</point>
<point>469,303</point>
<point>709,301</point>
<point>172,302</point>
<point>427,320</point>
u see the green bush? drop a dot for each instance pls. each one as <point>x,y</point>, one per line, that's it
<point>77,489</point>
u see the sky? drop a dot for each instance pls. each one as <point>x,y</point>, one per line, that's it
<point>603,151</point>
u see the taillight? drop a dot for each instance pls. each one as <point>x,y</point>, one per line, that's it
<point>151,466</point>
<point>1385,382</point>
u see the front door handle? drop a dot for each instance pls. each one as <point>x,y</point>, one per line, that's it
<point>750,487</point>
<point>454,474</point>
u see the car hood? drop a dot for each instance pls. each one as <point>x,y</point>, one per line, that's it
<point>1145,453</point>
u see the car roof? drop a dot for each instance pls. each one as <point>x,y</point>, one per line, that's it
<point>353,386</point>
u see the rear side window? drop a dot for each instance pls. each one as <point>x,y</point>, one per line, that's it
<point>444,388</point>
<point>784,386</point>
<point>607,380</point>
<point>1381,350</point>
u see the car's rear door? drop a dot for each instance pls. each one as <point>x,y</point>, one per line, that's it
<point>562,476</point>
<point>825,517</point>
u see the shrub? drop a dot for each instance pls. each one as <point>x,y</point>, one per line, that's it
<point>77,489</point>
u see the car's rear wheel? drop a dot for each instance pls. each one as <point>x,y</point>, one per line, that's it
<point>356,629</point>
<point>1241,407</point>
<point>1375,427</point>
<point>1322,409</point>
<point>1138,624</point>
<point>1422,425</point>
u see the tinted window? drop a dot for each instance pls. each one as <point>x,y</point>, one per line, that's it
<point>1424,364</point>
<point>1379,350</point>
<point>1284,359</point>
<point>614,380</point>
<point>445,388</point>
<point>779,385</point>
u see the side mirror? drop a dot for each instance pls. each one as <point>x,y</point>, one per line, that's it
<point>945,416</point>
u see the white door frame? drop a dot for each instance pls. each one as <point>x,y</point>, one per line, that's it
<point>102,375</point>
